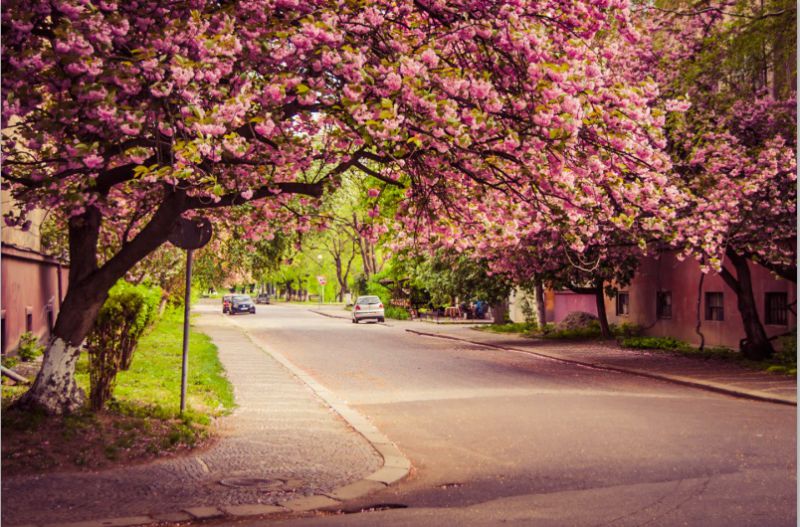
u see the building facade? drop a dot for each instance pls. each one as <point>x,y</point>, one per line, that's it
<point>32,284</point>
<point>666,299</point>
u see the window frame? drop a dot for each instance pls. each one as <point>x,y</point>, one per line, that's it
<point>712,309</point>
<point>661,312</point>
<point>623,309</point>
<point>782,311</point>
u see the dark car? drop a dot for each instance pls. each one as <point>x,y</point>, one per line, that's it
<point>262,298</point>
<point>242,304</point>
<point>226,303</point>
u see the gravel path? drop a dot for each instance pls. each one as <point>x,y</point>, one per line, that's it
<point>281,441</point>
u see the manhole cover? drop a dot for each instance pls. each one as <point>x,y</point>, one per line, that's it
<point>250,483</point>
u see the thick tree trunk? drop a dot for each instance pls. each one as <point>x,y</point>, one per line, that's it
<point>54,390</point>
<point>600,301</point>
<point>756,346</point>
<point>541,313</point>
<point>499,311</point>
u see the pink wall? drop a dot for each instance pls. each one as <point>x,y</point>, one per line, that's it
<point>30,285</point>
<point>667,273</point>
<point>566,302</point>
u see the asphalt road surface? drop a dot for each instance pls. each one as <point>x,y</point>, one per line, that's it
<point>498,438</point>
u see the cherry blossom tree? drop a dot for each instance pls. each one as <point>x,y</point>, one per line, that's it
<point>140,112</point>
<point>732,138</point>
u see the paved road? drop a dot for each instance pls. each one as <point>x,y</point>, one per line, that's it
<point>498,437</point>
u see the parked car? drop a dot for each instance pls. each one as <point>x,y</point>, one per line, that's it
<point>242,304</point>
<point>262,298</point>
<point>226,304</point>
<point>368,307</point>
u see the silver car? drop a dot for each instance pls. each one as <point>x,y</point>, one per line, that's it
<point>367,307</point>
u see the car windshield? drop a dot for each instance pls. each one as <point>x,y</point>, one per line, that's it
<point>241,298</point>
<point>368,300</point>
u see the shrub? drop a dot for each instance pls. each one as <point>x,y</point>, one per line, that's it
<point>397,313</point>
<point>626,330</point>
<point>29,347</point>
<point>591,331</point>
<point>512,327</point>
<point>577,320</point>
<point>663,343</point>
<point>9,362</point>
<point>122,320</point>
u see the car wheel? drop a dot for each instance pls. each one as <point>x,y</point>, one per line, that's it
<point>381,320</point>
<point>355,321</point>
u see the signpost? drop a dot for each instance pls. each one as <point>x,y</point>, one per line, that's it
<point>190,235</point>
<point>322,281</point>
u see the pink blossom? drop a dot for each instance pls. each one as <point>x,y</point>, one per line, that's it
<point>93,161</point>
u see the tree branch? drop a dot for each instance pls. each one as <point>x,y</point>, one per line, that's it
<point>235,198</point>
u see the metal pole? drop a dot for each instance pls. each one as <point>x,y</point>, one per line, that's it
<point>320,294</point>
<point>186,306</point>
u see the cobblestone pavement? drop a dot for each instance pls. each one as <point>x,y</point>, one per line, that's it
<point>280,433</point>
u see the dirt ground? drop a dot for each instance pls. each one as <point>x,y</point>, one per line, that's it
<point>35,443</point>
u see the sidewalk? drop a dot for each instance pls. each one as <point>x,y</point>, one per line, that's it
<point>708,374</point>
<point>282,450</point>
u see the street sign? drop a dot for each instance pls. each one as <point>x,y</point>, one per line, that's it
<point>190,234</point>
<point>322,280</point>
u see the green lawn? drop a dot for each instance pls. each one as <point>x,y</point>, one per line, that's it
<point>141,421</point>
<point>153,383</point>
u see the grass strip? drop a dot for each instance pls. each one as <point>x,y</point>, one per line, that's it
<point>141,421</point>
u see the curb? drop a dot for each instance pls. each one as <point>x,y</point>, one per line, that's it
<point>329,315</point>
<point>396,466</point>
<point>342,317</point>
<point>675,379</point>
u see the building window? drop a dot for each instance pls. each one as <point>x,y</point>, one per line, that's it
<point>3,335</point>
<point>28,320</point>
<point>623,303</point>
<point>776,309</point>
<point>714,306</point>
<point>664,304</point>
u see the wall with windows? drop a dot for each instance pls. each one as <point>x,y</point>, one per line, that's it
<point>663,299</point>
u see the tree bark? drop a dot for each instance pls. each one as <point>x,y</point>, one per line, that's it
<point>55,391</point>
<point>541,313</point>
<point>756,346</point>
<point>499,310</point>
<point>600,301</point>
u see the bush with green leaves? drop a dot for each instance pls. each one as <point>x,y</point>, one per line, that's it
<point>125,315</point>
<point>663,343</point>
<point>29,348</point>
